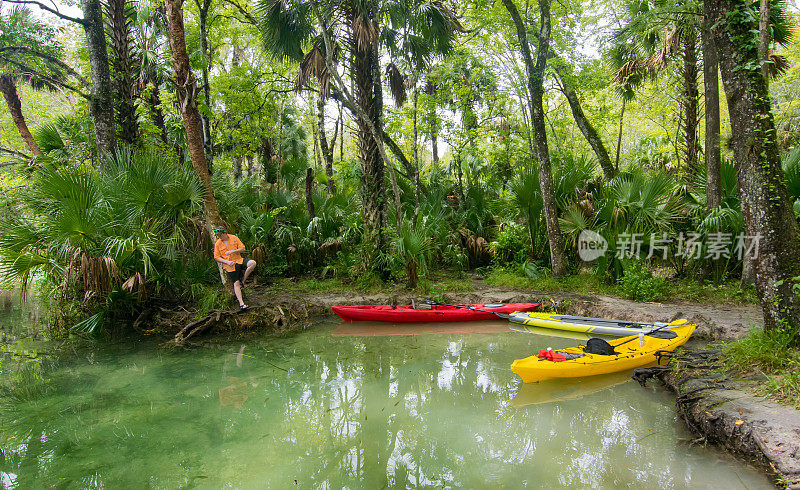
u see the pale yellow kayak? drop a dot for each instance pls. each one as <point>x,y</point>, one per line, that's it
<point>629,355</point>
<point>532,321</point>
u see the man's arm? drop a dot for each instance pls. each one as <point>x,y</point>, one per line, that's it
<point>223,261</point>
<point>238,250</point>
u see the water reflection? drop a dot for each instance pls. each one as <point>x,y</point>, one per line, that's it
<point>331,412</point>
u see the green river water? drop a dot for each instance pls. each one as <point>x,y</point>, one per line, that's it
<point>329,408</point>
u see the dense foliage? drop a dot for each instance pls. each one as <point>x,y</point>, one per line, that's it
<point>298,176</point>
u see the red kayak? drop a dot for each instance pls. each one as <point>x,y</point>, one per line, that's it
<point>433,313</point>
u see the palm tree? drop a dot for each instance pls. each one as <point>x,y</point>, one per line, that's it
<point>88,231</point>
<point>124,56</point>
<point>18,30</point>
<point>653,35</point>
<point>323,36</point>
<point>187,95</point>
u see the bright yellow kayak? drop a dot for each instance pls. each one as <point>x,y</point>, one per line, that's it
<point>628,355</point>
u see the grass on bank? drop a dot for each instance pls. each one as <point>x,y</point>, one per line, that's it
<point>774,354</point>
<point>435,286</point>
<point>637,287</point>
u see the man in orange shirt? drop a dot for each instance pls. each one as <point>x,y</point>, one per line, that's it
<point>227,252</point>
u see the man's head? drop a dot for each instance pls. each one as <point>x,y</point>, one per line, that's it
<point>220,232</point>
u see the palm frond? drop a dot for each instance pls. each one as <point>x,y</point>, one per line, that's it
<point>285,26</point>
<point>396,84</point>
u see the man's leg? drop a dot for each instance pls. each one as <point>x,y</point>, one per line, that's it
<point>251,265</point>
<point>237,290</point>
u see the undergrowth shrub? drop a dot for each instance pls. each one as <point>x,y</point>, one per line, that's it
<point>509,245</point>
<point>639,284</point>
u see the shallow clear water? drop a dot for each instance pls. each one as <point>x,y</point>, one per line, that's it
<point>316,410</point>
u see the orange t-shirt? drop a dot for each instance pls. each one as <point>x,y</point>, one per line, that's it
<point>233,244</point>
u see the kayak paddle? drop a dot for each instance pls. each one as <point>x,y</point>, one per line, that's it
<point>501,315</point>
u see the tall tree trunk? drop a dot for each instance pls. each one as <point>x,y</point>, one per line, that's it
<point>208,144</point>
<point>187,100</point>
<point>250,168</point>
<point>619,134</point>
<point>430,89</point>
<point>325,149</point>
<point>101,106</point>
<point>691,96</point>
<point>764,38</point>
<point>9,88</point>
<point>589,132</point>
<point>372,166</point>
<point>416,158</point>
<point>535,75</point>
<point>764,198</point>
<point>712,138</point>
<point>124,59</point>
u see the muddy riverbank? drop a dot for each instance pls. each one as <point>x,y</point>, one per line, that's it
<point>714,322</point>
<point>725,411</point>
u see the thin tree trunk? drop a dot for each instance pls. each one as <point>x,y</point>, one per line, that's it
<point>250,169</point>
<point>9,89</point>
<point>341,138</point>
<point>535,82</point>
<point>459,175</point>
<point>691,96</point>
<point>154,103</point>
<point>378,125</point>
<point>619,134</point>
<point>327,151</point>
<point>712,137</point>
<point>589,132</point>
<point>430,89</point>
<point>434,146</point>
<point>237,169</point>
<point>764,198</point>
<point>208,144</point>
<point>310,192</point>
<point>187,100</point>
<point>101,106</point>
<point>315,136</point>
<point>416,158</point>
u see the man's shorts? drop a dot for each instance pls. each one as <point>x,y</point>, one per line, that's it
<point>238,272</point>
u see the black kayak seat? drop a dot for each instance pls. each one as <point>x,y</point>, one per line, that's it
<point>599,347</point>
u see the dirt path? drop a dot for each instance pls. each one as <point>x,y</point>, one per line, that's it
<point>714,322</point>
